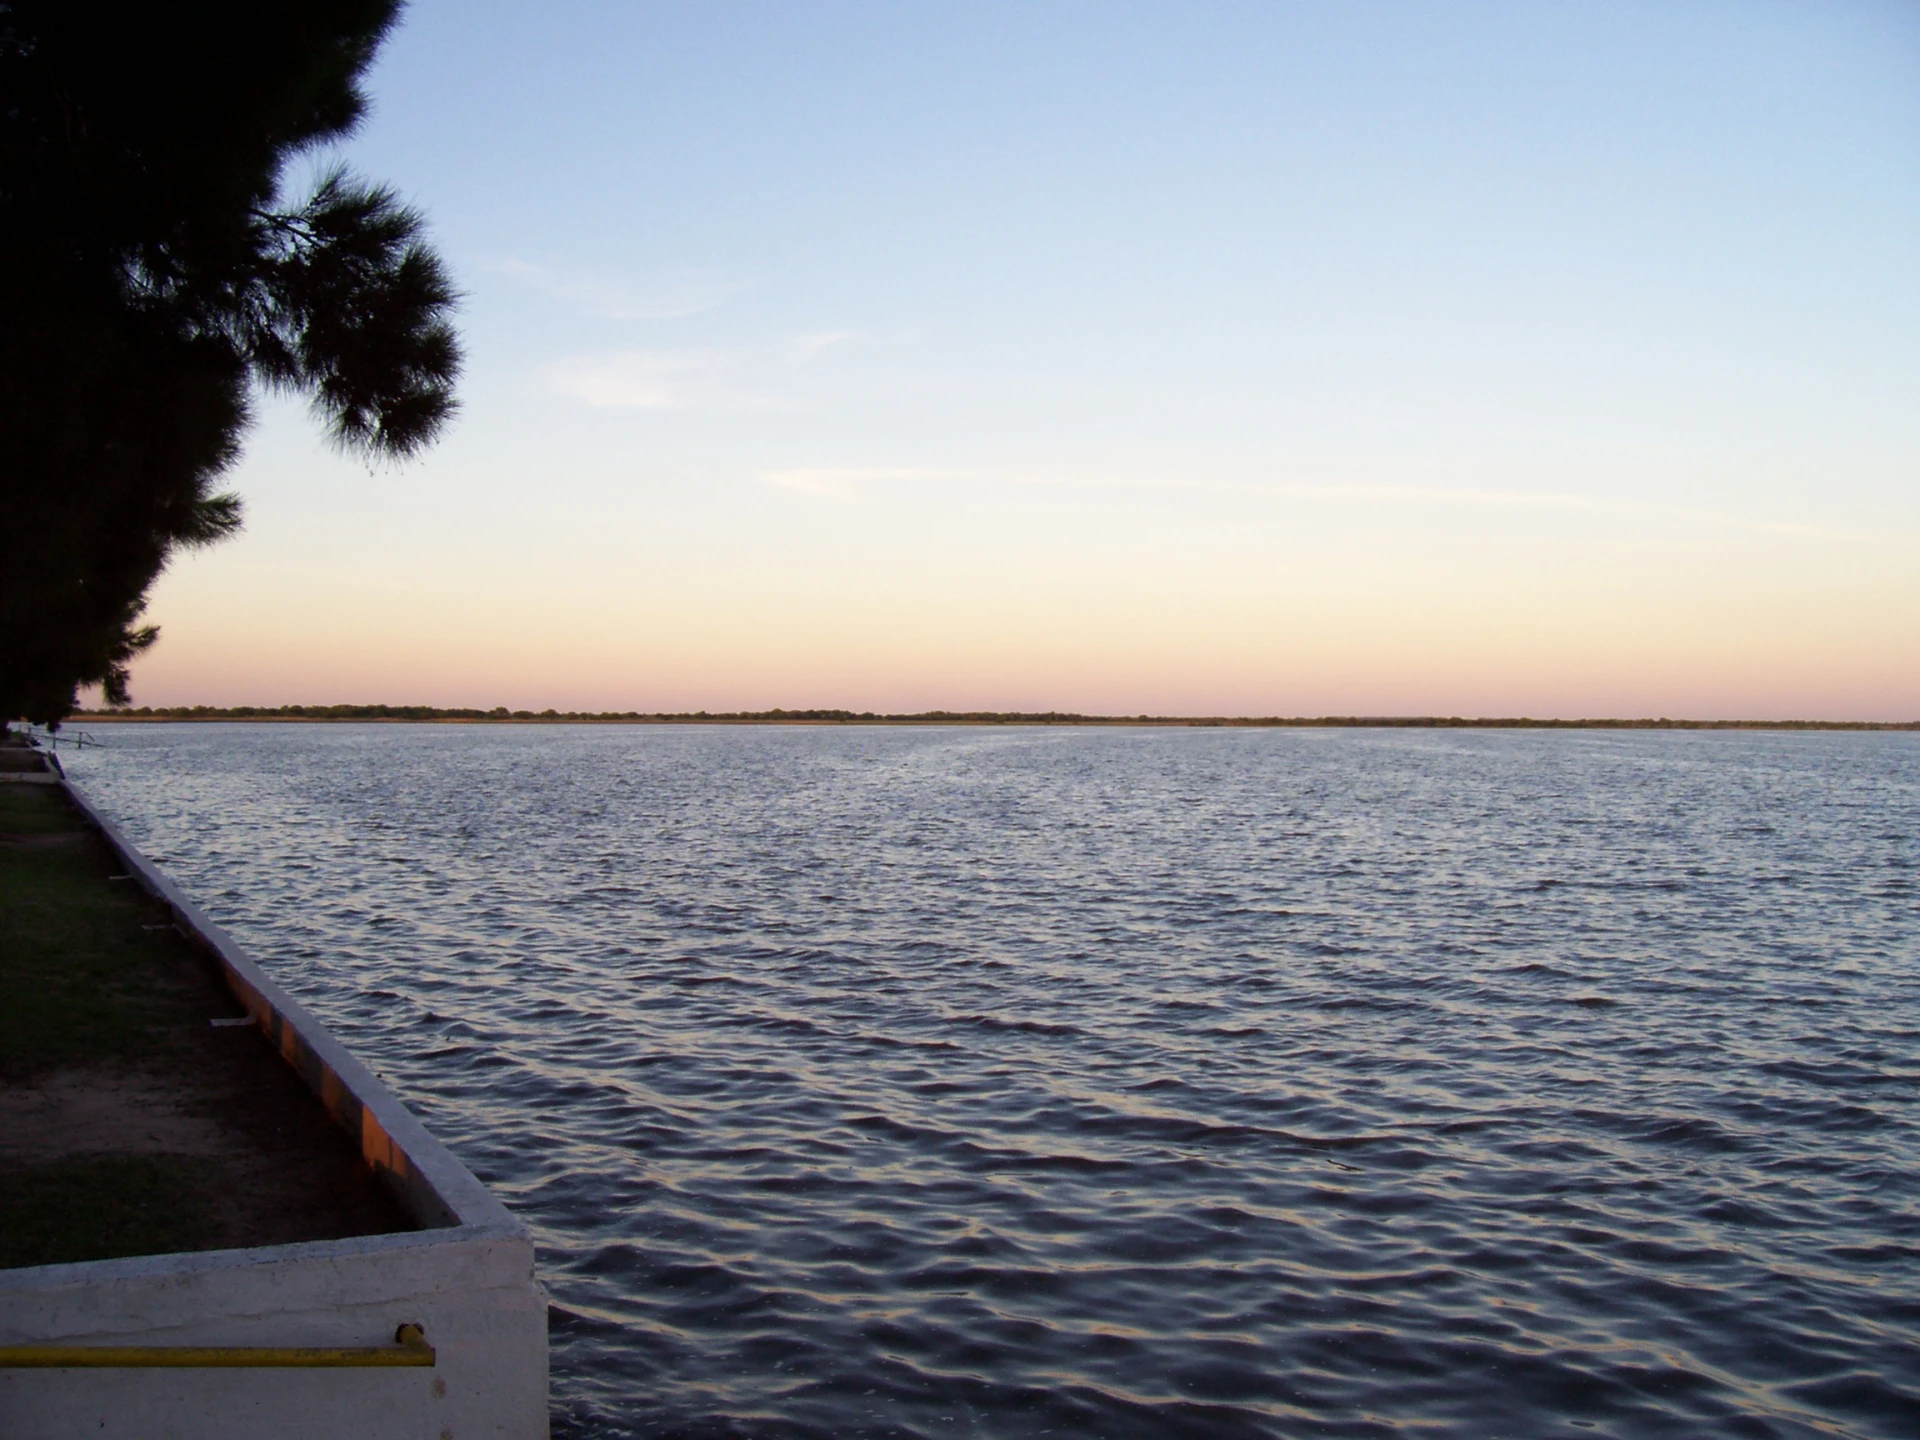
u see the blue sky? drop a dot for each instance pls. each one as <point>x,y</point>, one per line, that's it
<point>1478,358</point>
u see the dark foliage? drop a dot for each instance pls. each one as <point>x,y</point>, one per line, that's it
<point>150,275</point>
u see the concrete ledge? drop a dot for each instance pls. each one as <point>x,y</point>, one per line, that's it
<point>472,1294</point>
<point>467,1280</point>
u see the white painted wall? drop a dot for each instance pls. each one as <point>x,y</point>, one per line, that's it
<point>471,1288</point>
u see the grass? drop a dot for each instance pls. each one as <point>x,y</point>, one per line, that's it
<point>104,1207</point>
<point>105,1004</point>
<point>81,980</point>
<point>83,983</point>
<point>36,810</point>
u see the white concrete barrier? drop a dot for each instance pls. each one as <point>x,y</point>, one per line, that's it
<point>467,1280</point>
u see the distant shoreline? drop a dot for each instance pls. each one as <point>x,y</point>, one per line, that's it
<point>426,714</point>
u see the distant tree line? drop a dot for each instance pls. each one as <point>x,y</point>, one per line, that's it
<point>501,713</point>
<point>153,273</point>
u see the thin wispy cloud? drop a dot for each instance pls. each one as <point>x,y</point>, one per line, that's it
<point>714,379</point>
<point>849,482</point>
<point>629,380</point>
<point>661,298</point>
<point>1590,504</point>
<point>830,483</point>
<point>807,346</point>
<point>765,376</point>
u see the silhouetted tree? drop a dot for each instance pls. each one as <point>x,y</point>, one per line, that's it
<point>152,273</point>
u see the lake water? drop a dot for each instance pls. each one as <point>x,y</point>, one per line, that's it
<point>1024,1082</point>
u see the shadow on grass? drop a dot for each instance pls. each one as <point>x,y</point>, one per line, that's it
<point>104,1207</point>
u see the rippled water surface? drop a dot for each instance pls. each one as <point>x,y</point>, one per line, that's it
<point>1129,1083</point>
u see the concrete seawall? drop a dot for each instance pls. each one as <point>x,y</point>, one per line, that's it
<point>466,1279</point>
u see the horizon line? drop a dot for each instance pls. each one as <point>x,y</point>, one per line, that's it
<point>500,714</point>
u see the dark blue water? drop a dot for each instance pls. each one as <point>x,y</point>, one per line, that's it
<point>1130,1083</point>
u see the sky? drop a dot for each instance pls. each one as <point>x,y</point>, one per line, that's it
<point>1274,358</point>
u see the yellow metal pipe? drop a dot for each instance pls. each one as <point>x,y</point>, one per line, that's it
<point>410,1347</point>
